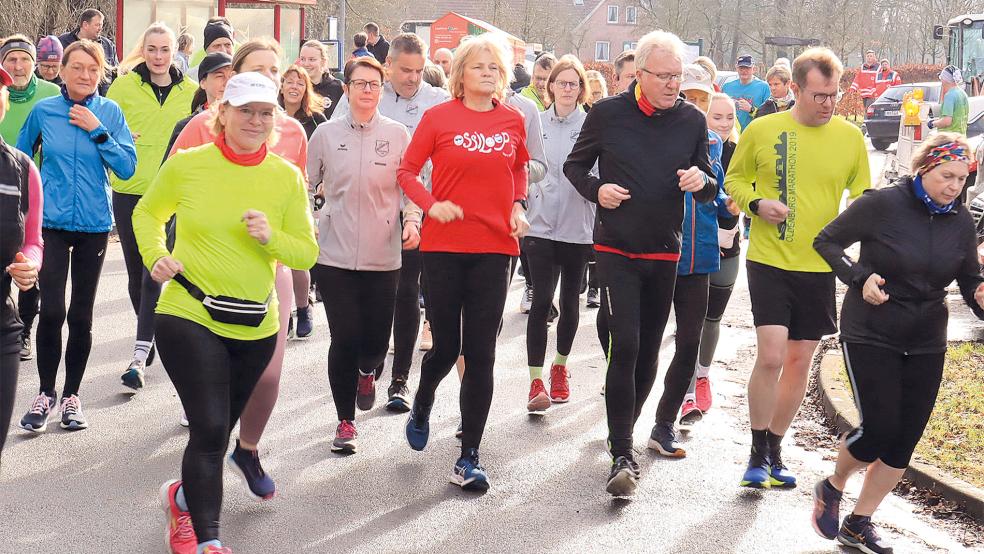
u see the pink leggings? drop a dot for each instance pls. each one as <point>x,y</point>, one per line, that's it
<point>261,402</point>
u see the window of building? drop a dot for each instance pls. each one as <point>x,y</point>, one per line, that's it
<point>630,15</point>
<point>629,45</point>
<point>578,2</point>
<point>602,51</point>
<point>613,14</point>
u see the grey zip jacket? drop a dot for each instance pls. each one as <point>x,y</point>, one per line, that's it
<point>360,226</point>
<point>556,210</point>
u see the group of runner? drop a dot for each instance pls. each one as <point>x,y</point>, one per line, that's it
<point>434,191</point>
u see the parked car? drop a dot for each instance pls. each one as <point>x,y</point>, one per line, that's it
<point>881,121</point>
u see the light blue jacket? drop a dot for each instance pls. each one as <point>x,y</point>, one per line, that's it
<point>700,221</point>
<point>74,170</point>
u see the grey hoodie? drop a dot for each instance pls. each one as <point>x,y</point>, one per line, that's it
<point>360,225</point>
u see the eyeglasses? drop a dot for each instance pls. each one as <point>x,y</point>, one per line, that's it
<point>572,85</point>
<point>363,84</point>
<point>821,98</point>
<point>664,77</point>
<point>265,116</point>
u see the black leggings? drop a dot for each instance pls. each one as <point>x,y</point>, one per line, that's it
<point>635,297</point>
<point>722,283</point>
<point>28,304</point>
<point>214,377</point>
<point>466,294</point>
<point>406,319</point>
<point>547,260</point>
<point>84,253</point>
<point>9,365</point>
<point>690,307</point>
<point>144,291</point>
<point>895,394</point>
<point>359,305</point>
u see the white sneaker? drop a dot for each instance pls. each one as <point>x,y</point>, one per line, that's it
<point>184,419</point>
<point>72,417</point>
<point>527,301</point>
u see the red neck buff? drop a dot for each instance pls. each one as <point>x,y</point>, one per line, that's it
<point>254,158</point>
<point>644,104</point>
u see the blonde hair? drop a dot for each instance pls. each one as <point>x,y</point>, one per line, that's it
<point>311,102</point>
<point>434,76</point>
<point>820,58</point>
<point>594,76</point>
<point>470,48</point>
<point>90,48</point>
<point>260,44</point>
<point>921,156</point>
<point>574,64</point>
<point>321,48</point>
<point>135,57</point>
<point>731,102</point>
<point>708,65</point>
<point>781,72</point>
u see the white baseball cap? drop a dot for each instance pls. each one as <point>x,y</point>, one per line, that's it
<point>244,88</point>
<point>696,77</point>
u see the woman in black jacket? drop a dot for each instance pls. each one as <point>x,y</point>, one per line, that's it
<point>915,240</point>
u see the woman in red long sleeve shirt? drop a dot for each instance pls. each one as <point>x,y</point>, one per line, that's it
<point>476,214</point>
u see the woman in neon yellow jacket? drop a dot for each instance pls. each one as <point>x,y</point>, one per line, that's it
<point>154,95</point>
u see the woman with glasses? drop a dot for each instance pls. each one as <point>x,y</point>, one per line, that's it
<point>558,244</point>
<point>361,234</point>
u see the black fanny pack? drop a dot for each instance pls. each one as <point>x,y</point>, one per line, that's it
<point>226,309</point>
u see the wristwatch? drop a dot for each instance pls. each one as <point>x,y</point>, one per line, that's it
<point>753,206</point>
<point>100,138</point>
<point>523,203</point>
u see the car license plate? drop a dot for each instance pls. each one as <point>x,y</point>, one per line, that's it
<point>893,113</point>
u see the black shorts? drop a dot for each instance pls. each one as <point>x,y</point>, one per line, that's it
<point>800,301</point>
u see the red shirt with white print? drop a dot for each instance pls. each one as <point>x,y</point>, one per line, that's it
<point>479,164</point>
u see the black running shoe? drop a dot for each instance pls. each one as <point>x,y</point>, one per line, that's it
<point>36,419</point>
<point>858,532</point>
<point>366,394</point>
<point>623,478</point>
<point>399,396</point>
<point>826,509</point>
<point>246,464</point>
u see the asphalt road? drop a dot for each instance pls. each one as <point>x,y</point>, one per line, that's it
<point>96,490</point>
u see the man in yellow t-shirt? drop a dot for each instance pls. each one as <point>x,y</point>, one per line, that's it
<point>790,171</point>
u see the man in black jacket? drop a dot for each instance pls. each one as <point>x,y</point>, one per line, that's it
<point>90,27</point>
<point>651,148</point>
<point>376,43</point>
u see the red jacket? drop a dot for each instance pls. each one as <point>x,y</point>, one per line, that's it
<point>885,79</point>
<point>864,81</point>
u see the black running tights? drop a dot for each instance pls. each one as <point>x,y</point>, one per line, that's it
<point>547,259</point>
<point>144,291</point>
<point>690,307</point>
<point>214,377</point>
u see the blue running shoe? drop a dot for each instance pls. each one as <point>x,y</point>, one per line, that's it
<point>826,509</point>
<point>757,474</point>
<point>779,475</point>
<point>663,440</point>
<point>418,427</point>
<point>246,464</point>
<point>623,477</point>
<point>468,472</point>
<point>858,532</point>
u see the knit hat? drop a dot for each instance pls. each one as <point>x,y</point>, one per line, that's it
<point>18,46</point>
<point>50,49</point>
<point>216,30</point>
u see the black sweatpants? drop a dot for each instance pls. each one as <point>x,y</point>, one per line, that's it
<point>84,254</point>
<point>466,294</point>
<point>406,317</point>
<point>690,308</point>
<point>144,290</point>
<point>10,335</point>
<point>895,394</point>
<point>636,298</point>
<point>359,306</point>
<point>214,377</point>
<point>547,260</point>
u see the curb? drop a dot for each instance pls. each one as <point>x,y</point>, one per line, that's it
<point>839,410</point>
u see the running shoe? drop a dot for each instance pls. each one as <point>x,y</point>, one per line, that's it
<point>26,349</point>
<point>346,438</point>
<point>36,419</point>
<point>426,338</point>
<point>757,473</point>
<point>184,419</point>
<point>623,478</point>
<point>702,389</point>
<point>246,464</point>
<point>305,323</point>
<point>526,302</point>
<point>468,472</point>
<point>826,509</point>
<point>399,396</point>
<point>858,532</point>
<point>663,440</point>
<point>366,395</point>
<point>418,427</point>
<point>594,298</point>
<point>134,375</point>
<point>779,475</point>
<point>689,414</point>
<point>538,401</point>
<point>72,418</point>
<point>217,549</point>
<point>560,390</point>
<point>459,432</point>
<point>180,535</point>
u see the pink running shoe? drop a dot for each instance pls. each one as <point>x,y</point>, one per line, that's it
<point>180,536</point>
<point>703,391</point>
<point>539,401</point>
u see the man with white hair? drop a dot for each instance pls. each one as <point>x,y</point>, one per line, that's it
<point>651,148</point>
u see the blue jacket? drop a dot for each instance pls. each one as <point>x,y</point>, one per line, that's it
<point>74,170</point>
<point>706,257</point>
